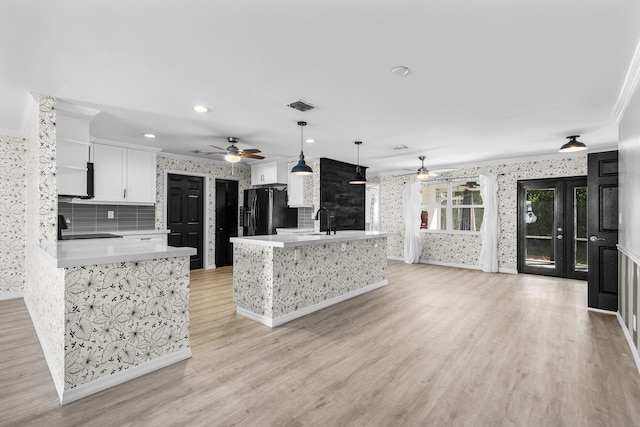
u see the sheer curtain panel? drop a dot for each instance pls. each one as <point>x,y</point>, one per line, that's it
<point>411,205</point>
<point>490,229</point>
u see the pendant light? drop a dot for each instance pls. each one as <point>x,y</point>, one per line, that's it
<point>358,178</point>
<point>423,173</point>
<point>301,168</point>
<point>573,145</point>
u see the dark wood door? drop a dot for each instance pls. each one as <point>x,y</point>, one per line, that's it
<point>226,220</point>
<point>552,227</point>
<point>185,214</point>
<point>603,230</point>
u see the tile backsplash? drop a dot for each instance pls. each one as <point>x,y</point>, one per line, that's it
<point>305,217</point>
<point>90,218</point>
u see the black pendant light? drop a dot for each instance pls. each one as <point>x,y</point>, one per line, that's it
<point>358,178</point>
<point>573,145</point>
<point>301,168</point>
<point>423,173</point>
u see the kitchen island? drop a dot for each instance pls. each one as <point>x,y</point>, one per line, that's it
<point>278,278</point>
<point>109,310</point>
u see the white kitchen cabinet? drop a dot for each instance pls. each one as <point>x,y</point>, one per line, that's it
<point>273,172</point>
<point>124,174</point>
<point>141,176</point>
<point>296,195</point>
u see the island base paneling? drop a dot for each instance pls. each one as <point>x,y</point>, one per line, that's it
<point>274,285</point>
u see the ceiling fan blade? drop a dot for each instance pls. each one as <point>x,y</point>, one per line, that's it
<point>252,156</point>
<point>221,149</point>
<point>250,150</point>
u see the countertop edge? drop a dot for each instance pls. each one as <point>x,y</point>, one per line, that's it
<point>140,254</point>
<point>292,240</point>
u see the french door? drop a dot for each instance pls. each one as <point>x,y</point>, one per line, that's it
<point>552,227</point>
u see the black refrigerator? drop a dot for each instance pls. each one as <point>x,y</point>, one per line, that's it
<point>265,209</point>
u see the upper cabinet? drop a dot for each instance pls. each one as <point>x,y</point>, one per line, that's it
<point>271,172</point>
<point>124,174</point>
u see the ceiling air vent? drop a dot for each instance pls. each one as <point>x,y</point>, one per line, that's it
<point>301,105</point>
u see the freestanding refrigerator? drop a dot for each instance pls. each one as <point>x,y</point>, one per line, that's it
<point>265,209</point>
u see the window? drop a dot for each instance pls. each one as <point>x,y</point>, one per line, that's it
<point>452,206</point>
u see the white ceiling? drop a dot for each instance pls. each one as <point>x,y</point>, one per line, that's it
<point>489,79</point>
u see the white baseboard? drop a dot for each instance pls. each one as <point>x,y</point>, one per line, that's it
<point>598,310</point>
<point>449,264</point>
<point>307,310</point>
<point>11,295</point>
<point>103,383</point>
<point>47,356</point>
<point>456,265</point>
<point>632,346</point>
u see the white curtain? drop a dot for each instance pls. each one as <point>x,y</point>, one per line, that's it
<point>411,203</point>
<point>490,229</point>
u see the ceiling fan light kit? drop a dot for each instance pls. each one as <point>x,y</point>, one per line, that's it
<point>233,154</point>
<point>301,168</point>
<point>423,173</point>
<point>358,178</point>
<point>573,145</point>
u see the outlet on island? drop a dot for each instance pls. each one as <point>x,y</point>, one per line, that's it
<point>109,214</point>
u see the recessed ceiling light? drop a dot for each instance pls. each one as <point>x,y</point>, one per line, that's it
<point>400,71</point>
<point>310,141</point>
<point>149,135</point>
<point>400,147</point>
<point>200,109</point>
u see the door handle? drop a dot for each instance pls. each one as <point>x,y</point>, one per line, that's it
<point>596,239</point>
<point>559,236</point>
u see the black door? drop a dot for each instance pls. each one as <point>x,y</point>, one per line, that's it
<point>226,220</point>
<point>603,230</point>
<point>185,214</point>
<point>552,227</point>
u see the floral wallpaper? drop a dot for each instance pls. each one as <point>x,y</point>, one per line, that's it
<point>45,299</point>
<point>47,184</point>
<point>273,282</point>
<point>12,213</point>
<point>213,170</point>
<point>120,315</point>
<point>465,248</point>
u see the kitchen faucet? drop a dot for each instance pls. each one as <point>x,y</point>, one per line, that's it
<point>328,219</point>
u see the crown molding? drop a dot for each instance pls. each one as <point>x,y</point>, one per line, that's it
<point>629,86</point>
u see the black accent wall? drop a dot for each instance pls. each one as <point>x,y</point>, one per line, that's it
<point>343,200</point>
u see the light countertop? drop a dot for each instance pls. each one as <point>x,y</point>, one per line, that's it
<point>294,240</point>
<point>74,253</point>
<point>294,230</point>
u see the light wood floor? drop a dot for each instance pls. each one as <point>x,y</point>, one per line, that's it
<point>437,346</point>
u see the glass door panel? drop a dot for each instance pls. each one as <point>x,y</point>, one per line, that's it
<point>580,238</point>
<point>539,226</point>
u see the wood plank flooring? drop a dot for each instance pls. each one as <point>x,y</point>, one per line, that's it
<point>437,346</point>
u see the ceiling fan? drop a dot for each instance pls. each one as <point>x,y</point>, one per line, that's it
<point>232,153</point>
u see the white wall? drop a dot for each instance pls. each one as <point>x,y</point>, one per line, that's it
<point>629,177</point>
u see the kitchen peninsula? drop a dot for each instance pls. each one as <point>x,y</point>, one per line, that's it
<point>278,278</point>
<point>109,310</point>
